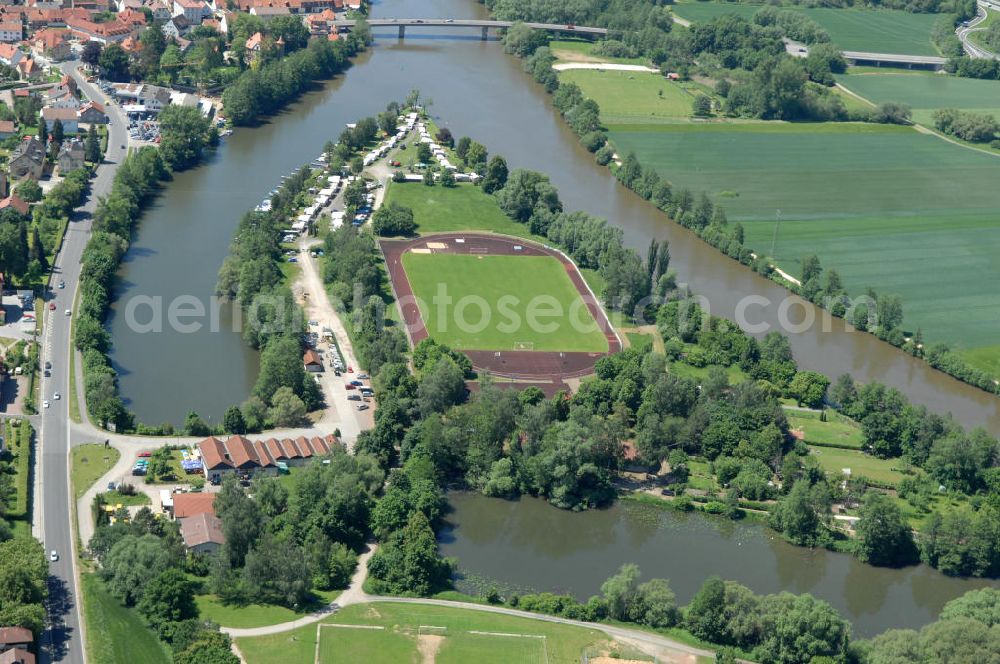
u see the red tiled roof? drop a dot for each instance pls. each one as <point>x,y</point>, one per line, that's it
<point>319,445</point>
<point>274,448</point>
<point>291,449</point>
<point>214,454</point>
<point>7,127</point>
<point>241,452</point>
<point>11,635</point>
<point>311,357</point>
<point>17,656</point>
<point>15,202</point>
<point>202,528</point>
<point>190,504</point>
<point>263,455</point>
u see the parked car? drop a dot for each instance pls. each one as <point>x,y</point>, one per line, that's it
<point>62,284</point>
<point>362,406</point>
<point>45,404</point>
<point>350,387</point>
<point>356,383</point>
<point>53,556</point>
<point>52,306</point>
<point>363,376</point>
<point>353,397</point>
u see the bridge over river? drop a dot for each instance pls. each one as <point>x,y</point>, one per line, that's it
<point>484,24</point>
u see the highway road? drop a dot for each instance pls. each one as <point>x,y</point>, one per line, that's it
<point>964,32</point>
<point>63,642</point>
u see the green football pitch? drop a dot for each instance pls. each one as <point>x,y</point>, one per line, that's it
<point>501,303</point>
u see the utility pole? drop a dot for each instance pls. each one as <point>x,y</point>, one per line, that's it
<point>777,223</point>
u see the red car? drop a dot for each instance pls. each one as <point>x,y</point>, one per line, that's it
<point>52,306</point>
<point>145,454</point>
<point>350,369</point>
<point>350,387</point>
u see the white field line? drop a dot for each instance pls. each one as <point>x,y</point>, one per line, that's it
<point>522,636</point>
<point>603,66</point>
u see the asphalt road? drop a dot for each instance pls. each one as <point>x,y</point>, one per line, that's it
<point>63,642</point>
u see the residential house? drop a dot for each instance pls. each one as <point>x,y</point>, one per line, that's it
<point>16,656</point>
<point>92,113</point>
<point>131,18</point>
<point>71,156</point>
<point>633,462</point>
<point>15,637</point>
<point>191,504</point>
<point>312,361</point>
<point>51,43</point>
<point>249,458</point>
<point>253,45</point>
<point>193,10</point>
<point>177,26</point>
<point>321,23</point>
<point>7,129</point>
<point>105,33</point>
<point>27,159</point>
<point>152,97</point>
<point>162,9</point>
<point>15,202</point>
<point>122,5</point>
<point>131,45</point>
<point>202,533</point>
<point>29,69</point>
<point>215,460</point>
<point>10,55</point>
<point>67,116</point>
<point>10,32</point>
<point>267,12</point>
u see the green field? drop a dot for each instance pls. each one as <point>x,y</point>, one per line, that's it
<point>837,430</point>
<point>632,97</point>
<point>924,93</point>
<point>534,280</point>
<point>578,50</point>
<point>115,634</point>
<point>256,615</point>
<point>90,462</point>
<point>446,209</point>
<point>833,461</point>
<point>872,30</point>
<point>404,624</point>
<point>888,207</point>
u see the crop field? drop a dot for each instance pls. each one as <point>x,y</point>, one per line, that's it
<point>632,97</point>
<point>463,207</point>
<point>888,207</point>
<point>924,93</point>
<point>387,633</point>
<point>510,289</point>
<point>872,30</point>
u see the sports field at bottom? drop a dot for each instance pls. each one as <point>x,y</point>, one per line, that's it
<point>502,303</point>
<point>387,633</point>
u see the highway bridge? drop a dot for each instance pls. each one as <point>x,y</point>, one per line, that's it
<point>894,59</point>
<point>483,24</point>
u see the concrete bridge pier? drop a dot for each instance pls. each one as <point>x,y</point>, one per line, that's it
<point>486,33</point>
<point>402,31</point>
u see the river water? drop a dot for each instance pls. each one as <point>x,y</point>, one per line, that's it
<point>478,91</point>
<point>531,545</point>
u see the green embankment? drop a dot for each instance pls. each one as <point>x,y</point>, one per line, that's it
<point>115,634</point>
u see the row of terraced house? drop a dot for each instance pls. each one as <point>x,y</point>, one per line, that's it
<point>250,458</point>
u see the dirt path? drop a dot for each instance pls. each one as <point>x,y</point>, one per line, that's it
<point>428,645</point>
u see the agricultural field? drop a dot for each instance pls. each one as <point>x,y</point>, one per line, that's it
<point>872,30</point>
<point>388,633</point>
<point>463,207</point>
<point>925,92</point>
<point>490,278</point>
<point>888,207</point>
<point>633,97</point>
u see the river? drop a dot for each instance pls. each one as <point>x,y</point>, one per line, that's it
<point>529,544</point>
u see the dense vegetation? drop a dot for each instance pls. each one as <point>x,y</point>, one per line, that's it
<point>24,575</point>
<point>262,90</point>
<point>143,565</point>
<point>251,275</point>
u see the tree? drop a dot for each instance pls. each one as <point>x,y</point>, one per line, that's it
<point>127,566</point>
<point>43,131</point>
<point>496,175</point>
<point>620,593</point>
<point>92,147</point>
<point>447,178</point>
<point>701,106</point>
<point>58,132</point>
<point>233,421</point>
<point>29,191</point>
<point>808,388</point>
<point>801,628</point>
<point>210,648</point>
<point>91,54</point>
<point>883,536</point>
<point>287,409</point>
<point>705,614</point>
<point>114,61</point>
<point>408,563</point>
<point>169,597</point>
<point>796,515</point>
<point>982,605</point>
<point>441,388</point>
<point>184,135</point>
<point>394,219</point>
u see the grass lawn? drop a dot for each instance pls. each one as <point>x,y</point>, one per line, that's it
<point>639,341</point>
<point>90,462</point>
<point>115,634</point>
<point>872,30</point>
<point>402,622</point>
<point>736,375</point>
<point>632,97</point>
<point>509,288</point>
<point>985,358</point>
<point>581,50</point>
<point>464,207</point>
<point>115,498</point>
<point>888,207</point>
<point>837,430</point>
<point>833,461</point>
<point>256,615</point>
